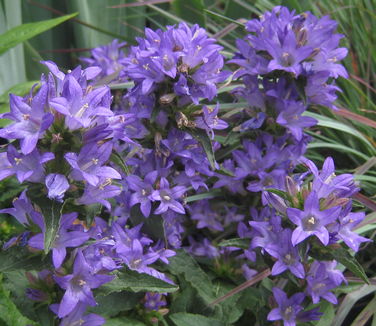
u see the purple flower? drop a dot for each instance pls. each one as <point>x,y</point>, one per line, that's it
<point>24,212</point>
<point>81,108</point>
<point>88,164</point>
<point>267,236</point>
<point>206,217</point>
<point>347,224</point>
<point>326,182</point>
<point>133,255</point>
<point>173,228</point>
<point>320,282</point>
<point>328,61</point>
<point>98,194</point>
<point>291,118</point>
<point>110,58</point>
<point>288,55</point>
<point>100,255</point>
<point>312,221</point>
<point>78,286</point>
<point>57,185</point>
<point>182,55</point>
<point>64,239</point>
<point>210,120</point>
<point>154,301</point>
<point>78,317</point>
<point>143,191</point>
<point>288,308</point>
<point>30,121</point>
<point>202,248</point>
<point>26,167</point>
<point>288,256</point>
<point>167,197</point>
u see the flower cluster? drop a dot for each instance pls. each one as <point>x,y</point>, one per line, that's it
<point>67,134</point>
<point>140,173</point>
<point>300,224</point>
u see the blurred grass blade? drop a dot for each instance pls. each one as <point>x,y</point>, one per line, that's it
<point>191,11</point>
<point>357,117</point>
<point>365,314</point>
<point>141,3</point>
<point>366,166</point>
<point>24,32</point>
<point>349,302</point>
<point>331,123</point>
<point>338,147</point>
<point>214,14</point>
<point>365,201</point>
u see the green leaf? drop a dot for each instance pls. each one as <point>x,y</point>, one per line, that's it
<point>349,301</point>
<point>118,160</point>
<point>186,319</point>
<point>20,90</point>
<point>328,314</point>
<point>183,264</point>
<point>343,256</point>
<point>224,18</point>
<point>121,85</point>
<point>365,314</point>
<point>123,321</point>
<point>91,211</point>
<point>210,194</point>
<point>51,211</point>
<point>278,192</point>
<point>17,257</point>
<point>24,32</point>
<point>112,304</point>
<point>228,311</point>
<point>129,280</point>
<point>331,123</point>
<point>9,313</point>
<point>338,147</point>
<point>202,137</point>
<point>236,242</point>
<point>191,11</point>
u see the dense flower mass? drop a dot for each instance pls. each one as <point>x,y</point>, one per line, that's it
<point>133,180</point>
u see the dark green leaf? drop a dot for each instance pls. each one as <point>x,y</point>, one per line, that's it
<point>184,264</point>
<point>123,321</point>
<point>278,192</point>
<point>228,311</point>
<point>24,32</point>
<point>210,194</point>
<point>91,211</point>
<point>51,211</point>
<point>236,242</point>
<point>19,89</point>
<point>191,11</point>
<point>214,14</point>
<point>18,257</point>
<point>186,300</point>
<point>202,137</point>
<point>132,281</point>
<point>9,312</point>
<point>186,319</point>
<point>344,257</point>
<point>118,160</point>
<point>328,314</point>
<point>112,304</point>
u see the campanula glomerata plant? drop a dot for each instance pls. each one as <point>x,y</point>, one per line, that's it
<point>147,202</point>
